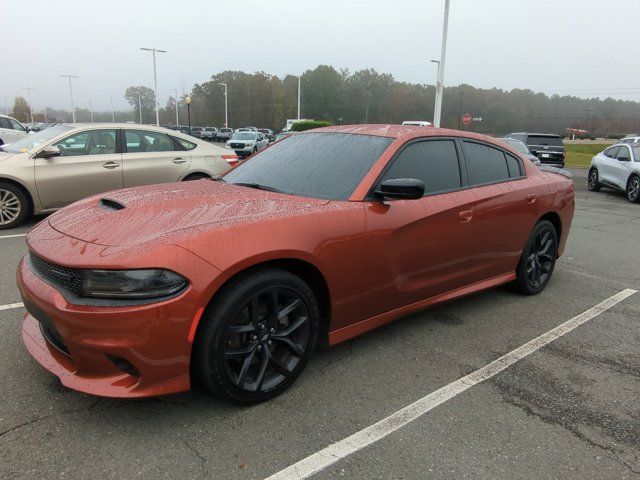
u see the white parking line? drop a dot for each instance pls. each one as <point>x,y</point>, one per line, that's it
<point>13,236</point>
<point>9,306</point>
<point>328,456</point>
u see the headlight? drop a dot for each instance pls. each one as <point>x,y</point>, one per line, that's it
<point>131,284</point>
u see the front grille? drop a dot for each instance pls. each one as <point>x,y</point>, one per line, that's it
<point>69,279</point>
<point>236,145</point>
<point>54,339</point>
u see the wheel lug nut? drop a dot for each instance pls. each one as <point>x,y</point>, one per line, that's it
<point>259,347</point>
<point>270,342</point>
<point>273,330</point>
<point>262,327</point>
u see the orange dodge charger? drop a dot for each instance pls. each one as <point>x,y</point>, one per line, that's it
<point>232,282</point>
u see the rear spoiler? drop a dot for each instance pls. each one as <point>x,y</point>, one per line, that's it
<point>559,171</point>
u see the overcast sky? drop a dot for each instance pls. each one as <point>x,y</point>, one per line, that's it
<point>580,47</point>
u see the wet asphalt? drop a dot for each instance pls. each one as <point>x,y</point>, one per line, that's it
<point>569,410</point>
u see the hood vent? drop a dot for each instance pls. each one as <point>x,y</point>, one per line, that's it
<point>109,204</point>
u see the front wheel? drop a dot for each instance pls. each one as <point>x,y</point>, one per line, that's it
<point>593,183</point>
<point>14,206</point>
<point>538,259</point>
<point>633,189</point>
<point>257,336</point>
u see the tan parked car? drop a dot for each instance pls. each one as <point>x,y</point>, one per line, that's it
<point>45,171</point>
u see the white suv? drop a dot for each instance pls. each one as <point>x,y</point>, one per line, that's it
<point>617,167</point>
<point>11,130</point>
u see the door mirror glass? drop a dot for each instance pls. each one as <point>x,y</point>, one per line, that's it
<point>401,188</point>
<point>49,152</point>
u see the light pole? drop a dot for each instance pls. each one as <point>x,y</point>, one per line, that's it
<point>155,79</point>
<point>6,105</point>
<point>461,93</point>
<point>188,102</point>
<point>73,108</point>
<point>437,111</point>
<point>226,105</point>
<point>299,78</point>
<point>175,90</point>
<point>113,112</point>
<point>140,106</point>
<point>91,110</point>
<point>28,89</point>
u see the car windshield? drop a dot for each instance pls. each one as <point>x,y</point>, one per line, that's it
<point>244,136</point>
<point>544,140</point>
<point>317,165</point>
<point>517,144</point>
<point>32,141</point>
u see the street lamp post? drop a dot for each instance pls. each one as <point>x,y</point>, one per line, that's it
<point>175,90</point>
<point>155,80</point>
<point>188,102</point>
<point>437,111</point>
<point>299,79</point>
<point>140,106</point>
<point>113,111</point>
<point>73,108</point>
<point>6,105</point>
<point>226,105</point>
<point>28,89</point>
<point>461,93</point>
<point>91,110</point>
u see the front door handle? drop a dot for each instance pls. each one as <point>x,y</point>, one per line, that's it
<point>465,215</point>
<point>110,165</point>
<point>531,198</point>
<point>179,160</point>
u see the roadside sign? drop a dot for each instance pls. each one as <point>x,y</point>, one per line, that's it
<point>477,119</point>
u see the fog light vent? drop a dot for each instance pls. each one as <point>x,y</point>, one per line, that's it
<point>124,365</point>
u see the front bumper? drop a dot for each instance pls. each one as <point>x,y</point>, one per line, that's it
<point>112,351</point>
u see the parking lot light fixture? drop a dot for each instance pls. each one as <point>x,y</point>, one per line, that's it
<point>28,89</point>
<point>73,108</point>
<point>91,110</point>
<point>175,90</point>
<point>187,100</point>
<point>113,111</point>
<point>140,106</point>
<point>6,105</point>
<point>299,81</point>
<point>226,105</point>
<point>437,111</point>
<point>155,80</point>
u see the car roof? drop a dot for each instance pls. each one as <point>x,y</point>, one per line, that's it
<point>536,134</point>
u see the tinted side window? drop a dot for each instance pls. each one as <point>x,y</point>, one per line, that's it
<point>143,141</point>
<point>513,165</point>
<point>486,164</point>
<point>4,123</point>
<point>624,154</point>
<point>15,125</point>
<point>435,162</point>
<point>612,152</point>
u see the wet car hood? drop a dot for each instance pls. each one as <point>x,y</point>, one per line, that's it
<point>142,214</point>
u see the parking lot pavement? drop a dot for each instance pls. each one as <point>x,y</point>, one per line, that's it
<point>568,410</point>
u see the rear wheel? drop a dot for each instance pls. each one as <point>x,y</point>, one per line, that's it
<point>633,189</point>
<point>257,337</point>
<point>538,259</point>
<point>14,206</point>
<point>592,183</point>
<point>195,176</point>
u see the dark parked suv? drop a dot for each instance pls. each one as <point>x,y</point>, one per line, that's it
<point>548,147</point>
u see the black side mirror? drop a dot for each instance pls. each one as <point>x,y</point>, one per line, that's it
<point>401,188</point>
<point>49,152</point>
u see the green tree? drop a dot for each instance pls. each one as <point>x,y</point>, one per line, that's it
<point>21,109</point>
<point>147,100</point>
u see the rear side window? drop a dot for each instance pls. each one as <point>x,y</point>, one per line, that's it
<point>624,154</point>
<point>144,141</point>
<point>513,165</point>
<point>544,140</point>
<point>434,162</point>
<point>486,164</point>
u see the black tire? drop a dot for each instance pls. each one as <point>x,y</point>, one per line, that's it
<point>538,259</point>
<point>633,189</point>
<point>249,347</point>
<point>593,183</point>
<point>255,150</point>
<point>14,206</point>
<point>195,176</point>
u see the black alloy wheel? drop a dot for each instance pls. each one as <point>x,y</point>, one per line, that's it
<point>257,336</point>
<point>593,184</point>
<point>633,189</point>
<point>538,259</point>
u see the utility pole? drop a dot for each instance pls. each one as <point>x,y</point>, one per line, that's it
<point>299,80</point>
<point>28,89</point>
<point>437,111</point>
<point>226,105</point>
<point>155,80</point>
<point>176,98</point>
<point>113,112</point>
<point>6,105</point>
<point>140,106</point>
<point>73,108</point>
<point>91,110</point>
<point>461,93</point>
<point>586,126</point>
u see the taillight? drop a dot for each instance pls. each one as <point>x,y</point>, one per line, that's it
<point>231,159</point>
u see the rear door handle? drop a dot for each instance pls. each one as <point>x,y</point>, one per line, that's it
<point>110,165</point>
<point>465,215</point>
<point>179,160</point>
<point>531,197</point>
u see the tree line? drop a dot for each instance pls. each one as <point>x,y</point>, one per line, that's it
<point>366,96</point>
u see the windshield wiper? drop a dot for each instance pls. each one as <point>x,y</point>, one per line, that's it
<point>218,178</point>
<point>258,186</point>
